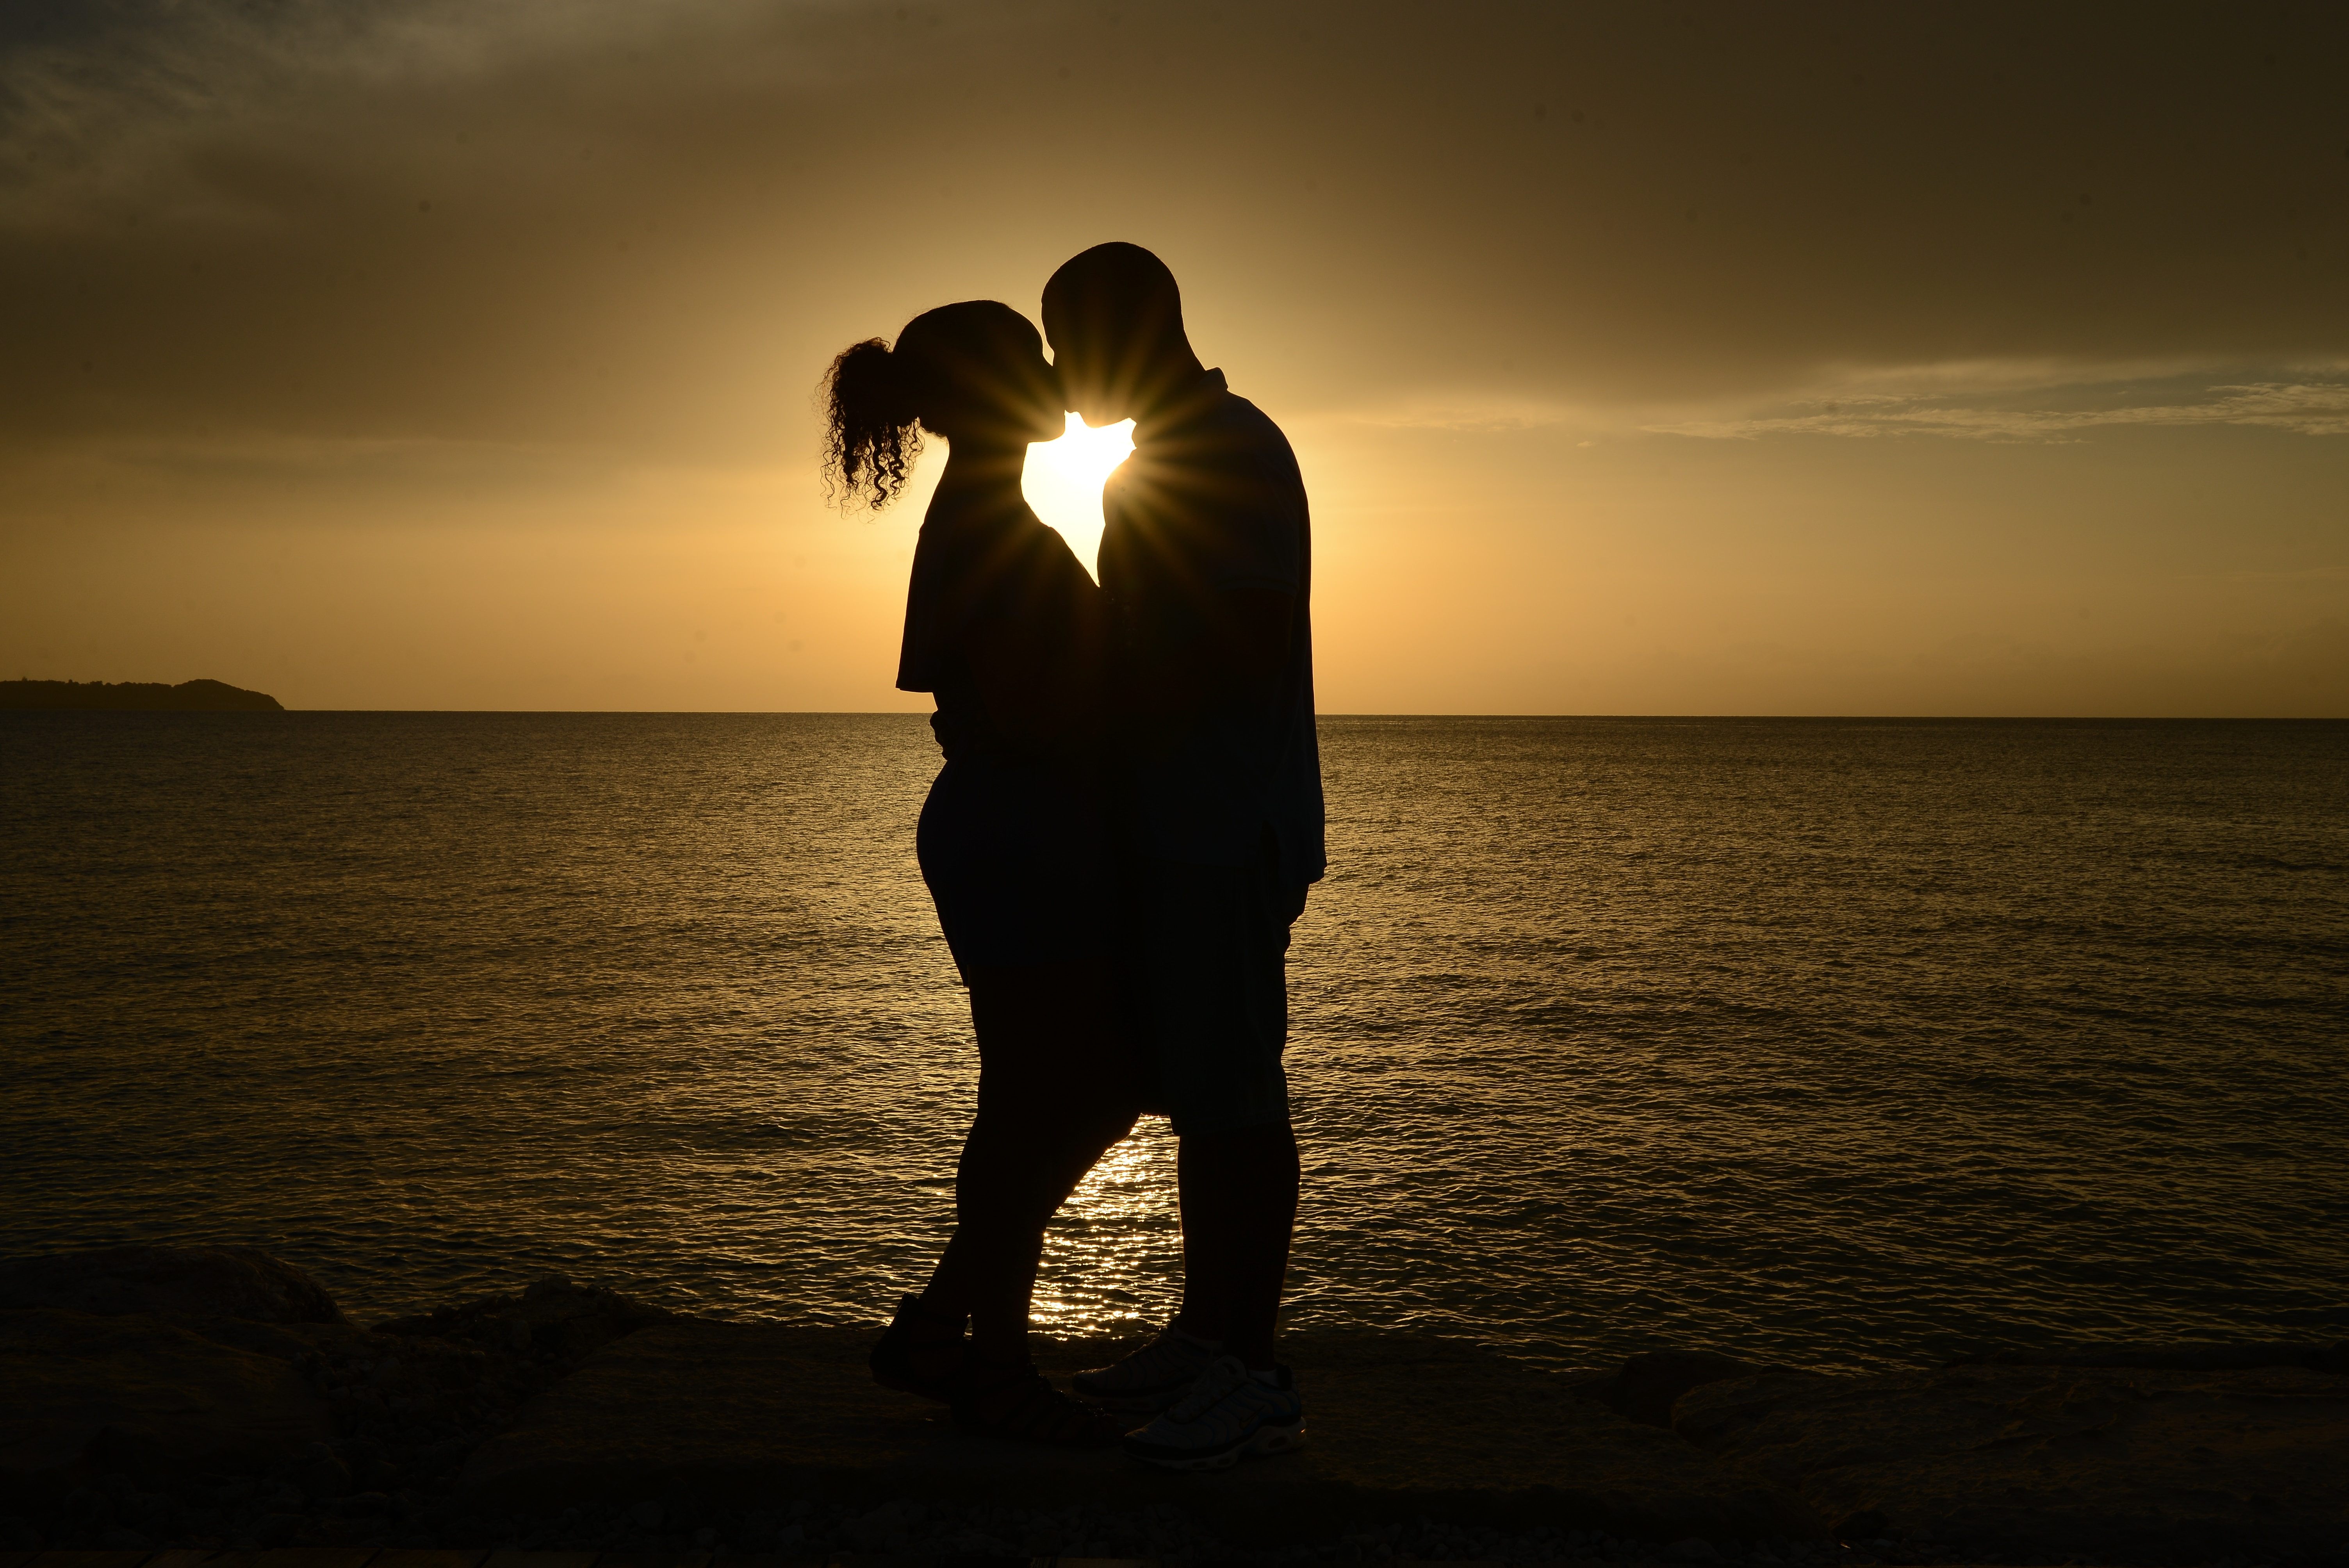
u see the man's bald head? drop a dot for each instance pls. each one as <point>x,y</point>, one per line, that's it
<point>1118,280</point>
<point>1115,317</point>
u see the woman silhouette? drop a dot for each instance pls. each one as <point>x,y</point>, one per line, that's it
<point>1009,632</point>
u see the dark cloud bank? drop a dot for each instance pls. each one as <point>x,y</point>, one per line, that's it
<point>584,223</point>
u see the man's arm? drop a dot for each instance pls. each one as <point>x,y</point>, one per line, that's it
<point>1257,625</point>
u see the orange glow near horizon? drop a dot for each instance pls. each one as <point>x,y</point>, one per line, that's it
<point>480,375</point>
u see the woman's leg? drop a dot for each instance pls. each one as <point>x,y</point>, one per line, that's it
<point>1056,1090</point>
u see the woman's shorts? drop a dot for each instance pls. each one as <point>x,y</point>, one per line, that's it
<point>1018,863</point>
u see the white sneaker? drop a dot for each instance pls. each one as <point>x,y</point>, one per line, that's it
<point>1228,1414</point>
<point>1152,1377</point>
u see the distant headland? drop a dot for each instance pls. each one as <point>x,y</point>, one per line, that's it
<point>129,697</point>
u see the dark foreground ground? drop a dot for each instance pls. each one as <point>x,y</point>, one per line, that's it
<point>193,1408</point>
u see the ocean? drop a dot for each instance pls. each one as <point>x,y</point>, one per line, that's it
<point>1843,1044</point>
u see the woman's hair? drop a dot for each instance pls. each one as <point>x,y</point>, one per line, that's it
<point>872,431</point>
<point>875,396</point>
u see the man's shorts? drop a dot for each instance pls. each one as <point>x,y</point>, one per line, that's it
<point>1207,980</point>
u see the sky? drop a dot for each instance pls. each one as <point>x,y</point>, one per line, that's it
<point>1641,358</point>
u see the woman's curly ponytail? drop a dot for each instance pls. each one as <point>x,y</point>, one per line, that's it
<point>872,431</point>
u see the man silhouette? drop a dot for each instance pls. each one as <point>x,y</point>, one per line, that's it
<point>1206,552</point>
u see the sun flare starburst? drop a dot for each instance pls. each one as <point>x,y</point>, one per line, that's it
<point>1063,481</point>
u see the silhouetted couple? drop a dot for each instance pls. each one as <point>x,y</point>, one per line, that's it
<point>1127,820</point>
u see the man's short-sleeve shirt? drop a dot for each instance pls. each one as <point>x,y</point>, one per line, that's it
<point>1210,501</point>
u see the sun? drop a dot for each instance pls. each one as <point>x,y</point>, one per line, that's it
<point>1063,481</point>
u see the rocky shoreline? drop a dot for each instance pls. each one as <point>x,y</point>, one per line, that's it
<point>217,1397</point>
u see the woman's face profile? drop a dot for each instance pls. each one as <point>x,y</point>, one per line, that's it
<point>1040,398</point>
<point>1001,388</point>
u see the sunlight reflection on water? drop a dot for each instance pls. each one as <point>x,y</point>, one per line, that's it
<point>1837,1043</point>
<point>1117,1251</point>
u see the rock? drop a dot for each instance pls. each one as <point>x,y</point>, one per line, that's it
<point>137,1395</point>
<point>1648,1385</point>
<point>234,1400</point>
<point>269,1529</point>
<point>704,1416</point>
<point>1868,1524</point>
<point>185,1282</point>
<point>2126,1464</point>
<point>553,1316</point>
<point>329,1478</point>
<point>2333,1357</point>
<point>886,1529</point>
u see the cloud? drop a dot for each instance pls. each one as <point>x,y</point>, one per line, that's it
<point>2306,406</point>
<point>1983,401</point>
<point>1480,417</point>
<point>600,221</point>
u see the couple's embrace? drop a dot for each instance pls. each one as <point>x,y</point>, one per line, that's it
<point>1128,818</point>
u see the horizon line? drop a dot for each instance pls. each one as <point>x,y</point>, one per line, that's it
<point>1580,717</point>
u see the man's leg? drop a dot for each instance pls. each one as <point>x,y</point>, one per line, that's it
<point>1238,1196</point>
<point>1240,1205</point>
<point>1238,1168</point>
<point>1209,966</point>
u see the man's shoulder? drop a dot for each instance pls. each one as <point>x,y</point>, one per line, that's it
<point>1245,422</point>
<point>1242,442</point>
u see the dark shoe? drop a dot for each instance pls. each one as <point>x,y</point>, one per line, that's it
<point>1016,1402</point>
<point>919,1354</point>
